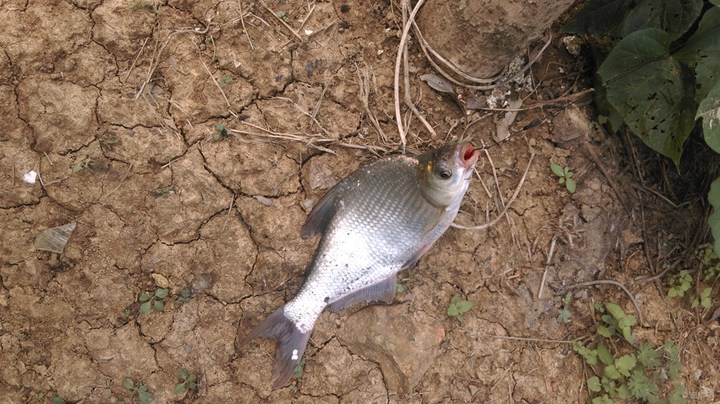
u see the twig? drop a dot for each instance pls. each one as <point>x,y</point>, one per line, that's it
<point>136,58</point>
<point>540,104</point>
<point>609,282</point>
<point>511,338</point>
<point>507,206</point>
<point>364,95</point>
<point>553,243</point>
<point>216,83</point>
<point>406,81</point>
<point>242,21</point>
<point>398,59</point>
<point>277,17</point>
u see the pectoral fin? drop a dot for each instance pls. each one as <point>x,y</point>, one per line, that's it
<point>320,216</point>
<point>383,291</point>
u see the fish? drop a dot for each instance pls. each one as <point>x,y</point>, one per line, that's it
<point>374,223</point>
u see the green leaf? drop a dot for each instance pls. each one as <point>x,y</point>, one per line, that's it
<point>192,378</point>
<point>705,299</point>
<point>604,354</point>
<point>183,373</point>
<point>161,293</point>
<point>159,305</point>
<point>672,16</point>
<point>145,397</point>
<point>647,355</point>
<point>627,321</point>
<point>570,185</point>
<point>452,310</point>
<point>709,111</point>
<point>714,218</point>
<point>464,306</point>
<point>627,334</point>
<point>615,310</point>
<point>625,364</point>
<point>57,400</point>
<point>651,90</point>
<point>611,372</point>
<point>128,383</point>
<point>144,297</point>
<point>623,392</point>
<point>557,170</point>
<point>593,384</point>
<point>677,396</point>
<point>700,52</point>
<point>602,400</point>
<point>145,308</point>
<point>179,389</point>
<point>604,331</point>
<point>641,386</point>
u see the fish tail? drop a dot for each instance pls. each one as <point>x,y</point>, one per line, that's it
<point>290,341</point>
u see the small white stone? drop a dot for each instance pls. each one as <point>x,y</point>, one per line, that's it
<point>294,355</point>
<point>309,32</point>
<point>30,177</point>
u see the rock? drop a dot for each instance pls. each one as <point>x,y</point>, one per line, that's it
<point>404,343</point>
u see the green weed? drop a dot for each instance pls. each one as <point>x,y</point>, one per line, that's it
<point>634,374</point>
<point>564,315</point>
<point>458,307</point>
<point>220,132</point>
<point>564,175</point>
<point>153,300</point>
<point>188,382</point>
<point>138,389</point>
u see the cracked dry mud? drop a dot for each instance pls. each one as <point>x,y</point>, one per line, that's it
<point>120,107</point>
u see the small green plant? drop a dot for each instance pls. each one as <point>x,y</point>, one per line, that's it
<point>153,300</point>
<point>458,307</point>
<point>57,400</point>
<point>143,4</point>
<point>703,300</point>
<point>636,373</point>
<point>87,163</point>
<point>400,288</point>
<point>565,175</point>
<point>564,315</point>
<point>163,190</point>
<point>138,389</point>
<point>615,321</point>
<point>188,382</point>
<point>282,15</point>
<point>220,132</point>
<point>679,283</point>
<point>184,296</point>
<point>225,80</point>
<point>299,369</point>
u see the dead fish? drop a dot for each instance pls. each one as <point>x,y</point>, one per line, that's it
<point>374,223</point>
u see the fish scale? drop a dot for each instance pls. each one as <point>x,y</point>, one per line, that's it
<point>374,223</point>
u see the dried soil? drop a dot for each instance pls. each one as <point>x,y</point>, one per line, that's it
<point>125,111</point>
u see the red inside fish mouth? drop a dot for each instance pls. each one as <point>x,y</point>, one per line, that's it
<point>469,155</point>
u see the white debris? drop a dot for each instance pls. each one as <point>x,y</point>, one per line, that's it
<point>30,177</point>
<point>309,32</point>
<point>294,355</point>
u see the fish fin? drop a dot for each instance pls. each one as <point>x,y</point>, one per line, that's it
<point>320,215</point>
<point>383,291</point>
<point>290,341</point>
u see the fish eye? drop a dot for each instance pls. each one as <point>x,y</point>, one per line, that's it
<point>444,173</point>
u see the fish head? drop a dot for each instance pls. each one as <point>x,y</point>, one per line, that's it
<point>445,173</point>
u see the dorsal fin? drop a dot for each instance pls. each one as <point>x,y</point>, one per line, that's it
<point>320,216</point>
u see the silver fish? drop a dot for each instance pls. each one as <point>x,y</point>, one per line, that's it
<point>374,223</point>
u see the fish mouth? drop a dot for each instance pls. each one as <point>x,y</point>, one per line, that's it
<point>468,155</point>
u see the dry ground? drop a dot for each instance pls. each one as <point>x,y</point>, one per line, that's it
<point>158,128</point>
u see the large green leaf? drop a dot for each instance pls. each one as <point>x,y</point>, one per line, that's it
<point>623,17</point>
<point>714,218</point>
<point>702,53</point>
<point>672,16</point>
<point>709,111</point>
<point>651,90</point>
